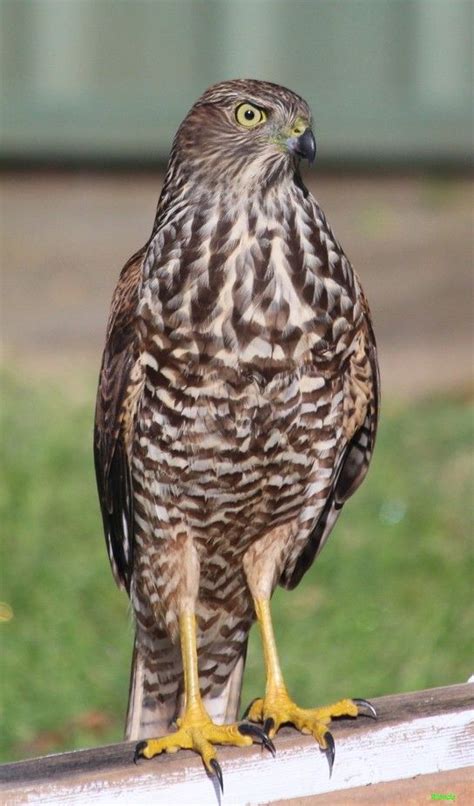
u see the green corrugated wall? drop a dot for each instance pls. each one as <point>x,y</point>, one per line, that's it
<point>387,79</point>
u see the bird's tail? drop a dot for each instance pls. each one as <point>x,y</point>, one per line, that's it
<point>223,703</point>
<point>149,712</point>
<point>154,705</point>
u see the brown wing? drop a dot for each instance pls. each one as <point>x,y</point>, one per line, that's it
<point>120,384</point>
<point>361,419</point>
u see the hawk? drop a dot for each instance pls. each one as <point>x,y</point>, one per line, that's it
<point>236,413</point>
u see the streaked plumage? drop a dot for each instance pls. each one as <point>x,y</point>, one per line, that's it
<point>238,396</point>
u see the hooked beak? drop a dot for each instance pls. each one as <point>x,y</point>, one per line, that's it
<point>304,146</point>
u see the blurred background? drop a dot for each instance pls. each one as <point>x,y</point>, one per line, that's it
<point>92,93</point>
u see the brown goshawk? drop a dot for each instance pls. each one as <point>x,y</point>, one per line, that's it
<point>236,413</point>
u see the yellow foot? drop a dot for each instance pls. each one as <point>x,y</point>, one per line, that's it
<point>200,734</point>
<point>276,709</point>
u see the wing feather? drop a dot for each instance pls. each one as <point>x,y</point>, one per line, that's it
<point>352,466</point>
<point>119,390</point>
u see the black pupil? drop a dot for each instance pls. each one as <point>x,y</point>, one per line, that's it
<point>249,114</point>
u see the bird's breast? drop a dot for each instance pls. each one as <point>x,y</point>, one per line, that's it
<point>264,284</point>
<point>230,453</point>
<point>246,321</point>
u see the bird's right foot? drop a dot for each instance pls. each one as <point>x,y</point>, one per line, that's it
<point>197,732</point>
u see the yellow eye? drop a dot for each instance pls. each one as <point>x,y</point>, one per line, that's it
<point>249,115</point>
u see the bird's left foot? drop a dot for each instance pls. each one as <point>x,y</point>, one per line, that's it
<point>277,708</point>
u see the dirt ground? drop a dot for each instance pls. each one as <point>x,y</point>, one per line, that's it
<point>66,236</point>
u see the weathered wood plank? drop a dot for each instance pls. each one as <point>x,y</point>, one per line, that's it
<point>419,733</point>
<point>456,786</point>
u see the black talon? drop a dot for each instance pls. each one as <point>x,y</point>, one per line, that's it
<point>267,742</point>
<point>217,772</point>
<point>246,712</point>
<point>365,704</point>
<point>268,725</point>
<point>330,750</point>
<point>138,751</point>
<point>247,729</point>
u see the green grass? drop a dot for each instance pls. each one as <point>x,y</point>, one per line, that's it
<point>385,608</point>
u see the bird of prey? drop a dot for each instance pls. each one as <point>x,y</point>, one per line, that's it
<point>236,413</point>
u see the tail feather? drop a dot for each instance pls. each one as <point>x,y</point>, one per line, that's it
<point>223,704</point>
<point>151,714</point>
<point>148,715</point>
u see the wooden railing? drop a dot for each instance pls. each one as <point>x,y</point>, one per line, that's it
<point>420,750</point>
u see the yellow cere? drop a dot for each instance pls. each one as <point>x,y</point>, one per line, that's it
<point>249,115</point>
<point>299,126</point>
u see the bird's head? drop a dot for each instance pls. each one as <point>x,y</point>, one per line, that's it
<point>246,129</point>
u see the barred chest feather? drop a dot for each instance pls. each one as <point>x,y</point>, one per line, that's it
<point>243,341</point>
<point>263,281</point>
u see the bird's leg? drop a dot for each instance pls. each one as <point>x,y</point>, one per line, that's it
<point>277,707</point>
<point>196,731</point>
